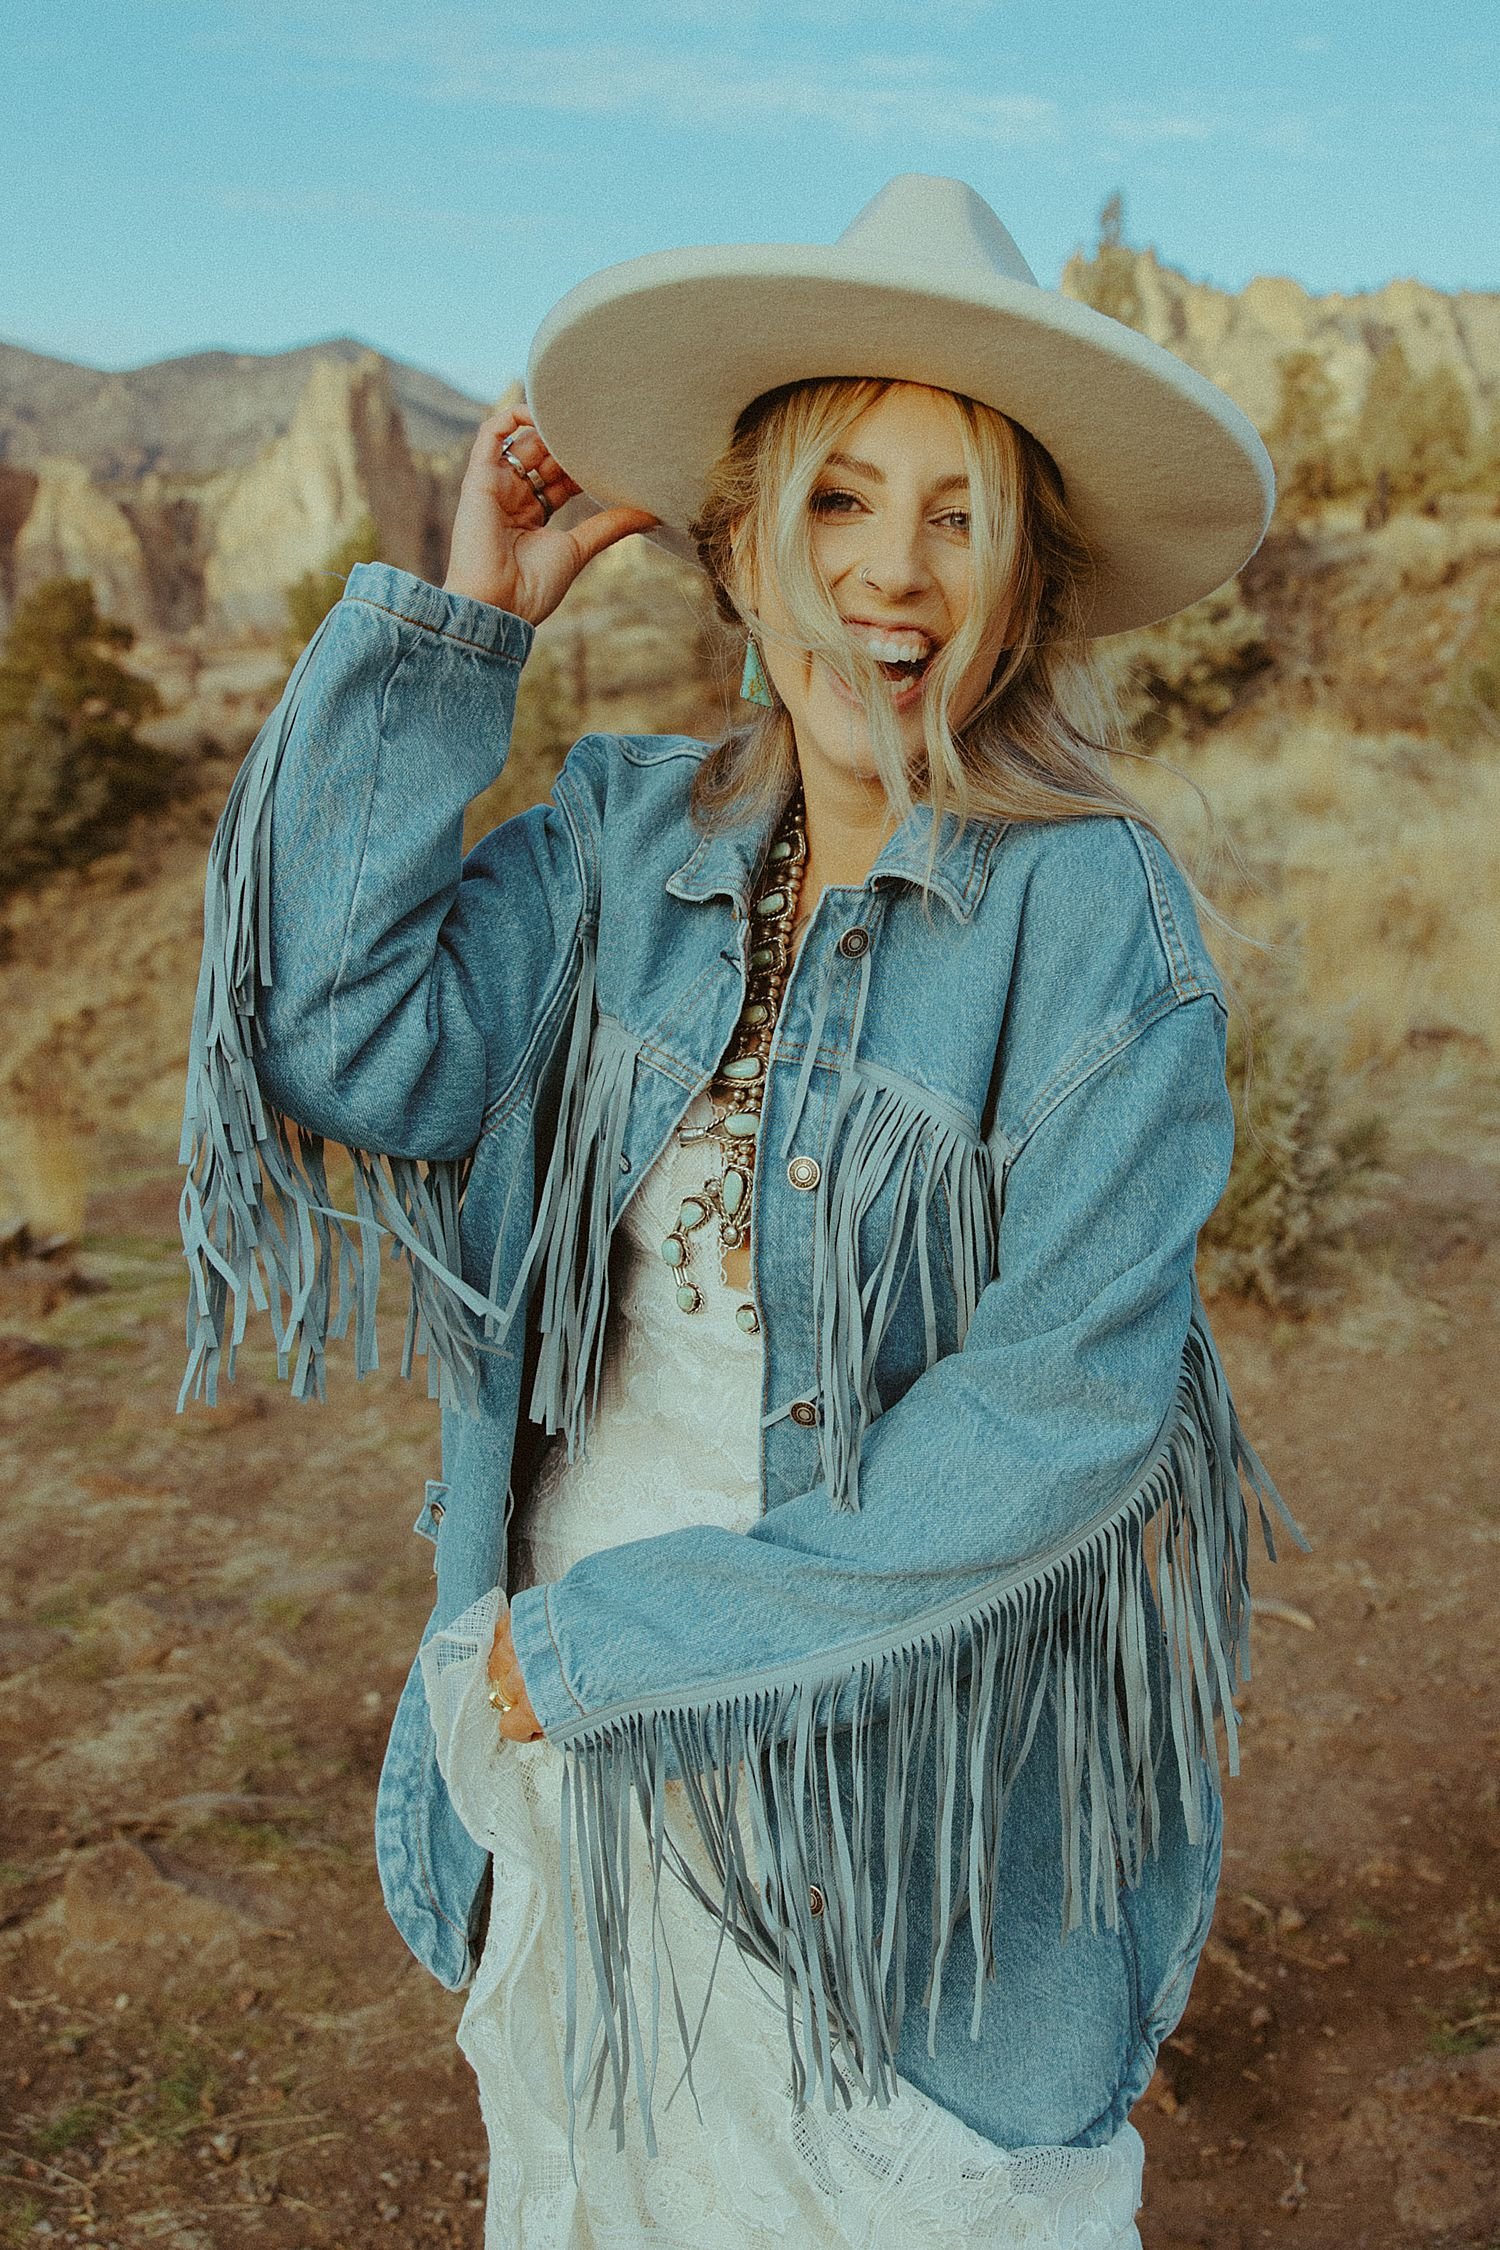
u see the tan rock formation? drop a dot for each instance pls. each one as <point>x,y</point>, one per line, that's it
<point>1238,340</point>
<point>344,456</point>
<point>73,530</point>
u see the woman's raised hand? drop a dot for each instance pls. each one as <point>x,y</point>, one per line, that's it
<point>501,551</point>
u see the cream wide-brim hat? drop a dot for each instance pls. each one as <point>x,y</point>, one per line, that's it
<point>637,376</point>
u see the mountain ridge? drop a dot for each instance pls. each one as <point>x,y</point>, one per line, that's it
<point>194,414</point>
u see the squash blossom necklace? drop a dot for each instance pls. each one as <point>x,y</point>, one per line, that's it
<point>737,1086</point>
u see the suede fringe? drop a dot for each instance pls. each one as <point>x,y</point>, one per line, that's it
<point>1073,1623</point>
<point>257,1223</point>
<point>891,1131</point>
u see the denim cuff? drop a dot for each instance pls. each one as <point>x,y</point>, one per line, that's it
<point>456,617</point>
<point>538,1655</point>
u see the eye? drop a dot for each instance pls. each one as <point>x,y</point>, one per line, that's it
<point>828,501</point>
<point>957,518</point>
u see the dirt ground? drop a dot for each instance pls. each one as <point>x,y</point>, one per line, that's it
<point>212,2035</point>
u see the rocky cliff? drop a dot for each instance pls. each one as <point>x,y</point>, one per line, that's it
<point>1240,339</point>
<point>95,483</point>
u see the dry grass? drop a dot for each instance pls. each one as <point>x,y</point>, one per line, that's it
<point>43,1170</point>
<point>1371,864</point>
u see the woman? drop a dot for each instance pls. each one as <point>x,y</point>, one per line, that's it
<point>814,1132</point>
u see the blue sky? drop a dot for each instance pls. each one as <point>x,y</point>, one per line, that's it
<point>430,175</point>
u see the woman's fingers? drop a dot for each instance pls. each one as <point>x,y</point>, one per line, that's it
<point>596,533</point>
<point>519,1723</point>
<point>502,550</point>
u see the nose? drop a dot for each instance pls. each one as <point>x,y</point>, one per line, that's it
<point>893,560</point>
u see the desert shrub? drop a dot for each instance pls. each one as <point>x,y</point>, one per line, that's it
<point>1413,438</point>
<point>1108,279</point>
<point>1180,676</point>
<point>310,597</point>
<point>1305,1166</point>
<point>72,766</point>
<point>1467,716</point>
<point>548,721</point>
<point>1414,435</point>
<point>1299,439</point>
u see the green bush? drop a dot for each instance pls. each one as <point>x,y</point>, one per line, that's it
<point>72,766</point>
<point>1107,280</point>
<point>1413,439</point>
<point>1176,678</point>
<point>1298,440</point>
<point>310,597</point>
<point>1415,433</point>
<point>1304,1167</point>
<point>1467,716</point>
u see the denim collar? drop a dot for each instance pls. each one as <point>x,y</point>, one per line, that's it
<point>723,865</point>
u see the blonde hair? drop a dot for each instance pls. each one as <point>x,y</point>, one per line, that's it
<point>1036,746</point>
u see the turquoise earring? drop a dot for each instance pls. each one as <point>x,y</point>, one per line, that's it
<point>754,686</point>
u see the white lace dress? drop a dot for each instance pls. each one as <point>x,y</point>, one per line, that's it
<point>676,1442</point>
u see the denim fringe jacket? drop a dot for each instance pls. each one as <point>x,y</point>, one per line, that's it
<point>996,1600</point>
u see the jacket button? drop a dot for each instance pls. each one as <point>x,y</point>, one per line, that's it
<point>815,1899</point>
<point>624,1162</point>
<point>854,942</point>
<point>804,1412</point>
<point>804,1171</point>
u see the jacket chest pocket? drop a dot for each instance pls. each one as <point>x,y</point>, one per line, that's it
<point>908,1244</point>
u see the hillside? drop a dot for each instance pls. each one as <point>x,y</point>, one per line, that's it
<point>198,414</point>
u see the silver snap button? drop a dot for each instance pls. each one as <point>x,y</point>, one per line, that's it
<point>805,1412</point>
<point>854,942</point>
<point>624,1163</point>
<point>804,1171</point>
<point>815,1899</point>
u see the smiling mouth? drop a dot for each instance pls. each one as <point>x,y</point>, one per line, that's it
<point>903,678</point>
<point>901,652</point>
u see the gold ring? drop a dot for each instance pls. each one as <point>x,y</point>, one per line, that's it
<point>498,1697</point>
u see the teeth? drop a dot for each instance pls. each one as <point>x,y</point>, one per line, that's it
<point>894,648</point>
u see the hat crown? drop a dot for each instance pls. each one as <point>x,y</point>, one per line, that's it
<point>922,220</point>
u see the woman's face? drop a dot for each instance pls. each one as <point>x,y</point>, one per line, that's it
<point>890,532</point>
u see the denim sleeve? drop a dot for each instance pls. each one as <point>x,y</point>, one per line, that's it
<point>997,1461</point>
<point>406,979</point>
<point>364,983</point>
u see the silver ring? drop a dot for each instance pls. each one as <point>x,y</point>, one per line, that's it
<point>531,475</point>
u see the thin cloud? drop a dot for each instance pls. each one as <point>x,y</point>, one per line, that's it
<point>1143,128</point>
<point>452,58</point>
<point>864,96</point>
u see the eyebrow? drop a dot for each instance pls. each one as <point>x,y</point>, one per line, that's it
<point>877,476</point>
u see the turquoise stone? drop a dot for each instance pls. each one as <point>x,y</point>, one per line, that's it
<point>763,956</point>
<point>732,1191</point>
<point>745,1066</point>
<point>688,1297</point>
<point>674,1250</point>
<point>757,1012</point>
<point>747,1318</point>
<point>744,1124</point>
<point>781,849</point>
<point>692,1214</point>
<point>772,903</point>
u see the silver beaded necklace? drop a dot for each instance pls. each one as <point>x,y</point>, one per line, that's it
<point>737,1086</point>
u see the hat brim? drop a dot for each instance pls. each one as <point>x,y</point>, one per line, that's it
<point>637,376</point>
